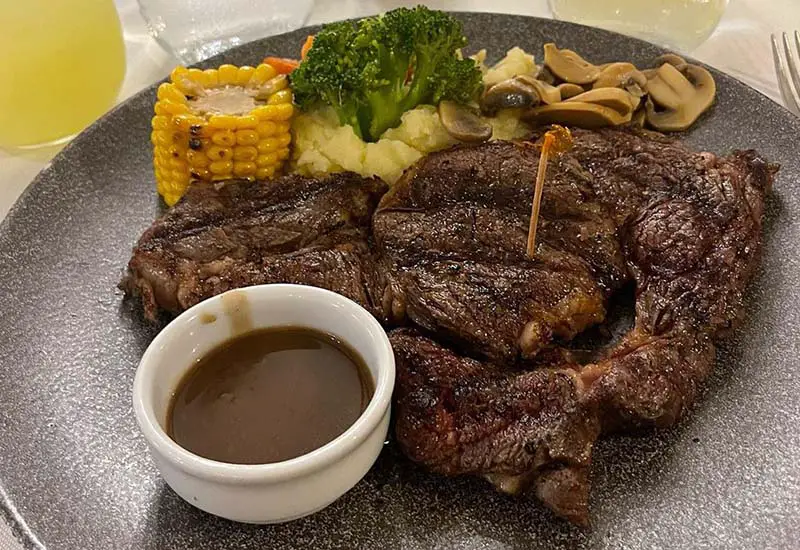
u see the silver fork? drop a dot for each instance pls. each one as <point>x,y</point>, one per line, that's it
<point>786,68</point>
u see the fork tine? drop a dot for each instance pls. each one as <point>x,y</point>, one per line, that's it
<point>783,82</point>
<point>790,55</point>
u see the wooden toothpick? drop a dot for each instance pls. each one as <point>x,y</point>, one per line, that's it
<point>554,141</point>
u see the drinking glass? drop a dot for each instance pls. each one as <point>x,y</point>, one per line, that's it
<point>677,24</point>
<point>196,29</point>
<point>61,66</point>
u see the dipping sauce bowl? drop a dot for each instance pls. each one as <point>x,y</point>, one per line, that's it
<point>280,491</point>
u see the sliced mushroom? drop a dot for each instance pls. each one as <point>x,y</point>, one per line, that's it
<point>545,75</point>
<point>622,75</point>
<point>463,123</point>
<point>569,66</point>
<point>668,88</point>
<point>673,59</point>
<point>576,113</point>
<point>518,92</point>
<point>547,93</point>
<point>683,97</point>
<point>568,90</point>
<point>613,98</point>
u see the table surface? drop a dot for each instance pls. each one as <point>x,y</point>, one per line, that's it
<point>739,46</point>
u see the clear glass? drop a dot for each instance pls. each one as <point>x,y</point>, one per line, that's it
<point>677,24</point>
<point>193,30</point>
<point>61,66</point>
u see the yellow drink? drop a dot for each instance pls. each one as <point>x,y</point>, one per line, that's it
<point>679,24</point>
<point>61,67</point>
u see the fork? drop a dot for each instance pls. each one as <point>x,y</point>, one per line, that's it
<point>787,70</point>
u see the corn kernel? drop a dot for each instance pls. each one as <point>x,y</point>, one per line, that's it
<point>227,74</point>
<point>159,110</point>
<point>282,153</point>
<point>200,173</point>
<point>271,86</point>
<point>177,150</point>
<point>284,111</point>
<point>265,112</point>
<point>185,121</point>
<point>154,137</point>
<point>266,128</point>
<point>197,76</point>
<point>244,75</point>
<point>247,122</point>
<point>170,108</point>
<point>212,78</point>
<point>246,137</point>
<point>164,138</point>
<point>180,176</point>
<point>178,73</point>
<point>282,96</point>
<point>215,152</point>
<point>282,127</point>
<point>267,159</point>
<point>245,152</point>
<point>225,138</point>
<point>261,74</point>
<point>197,159</point>
<point>223,122</point>
<point>268,145</point>
<point>202,130</point>
<point>168,91</point>
<point>160,122</point>
<point>177,164</point>
<point>283,140</point>
<point>221,167</point>
<point>265,173</point>
<point>242,169</point>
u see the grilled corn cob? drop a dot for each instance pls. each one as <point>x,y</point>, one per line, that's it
<point>218,124</point>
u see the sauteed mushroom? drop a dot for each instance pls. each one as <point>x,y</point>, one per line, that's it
<point>518,92</point>
<point>576,113</point>
<point>568,90</point>
<point>682,96</point>
<point>622,75</point>
<point>463,123</point>
<point>569,66</point>
<point>675,60</point>
<point>613,98</point>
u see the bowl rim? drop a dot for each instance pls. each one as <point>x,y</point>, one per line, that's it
<point>331,452</point>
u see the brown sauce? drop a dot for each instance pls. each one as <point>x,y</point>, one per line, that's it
<point>269,395</point>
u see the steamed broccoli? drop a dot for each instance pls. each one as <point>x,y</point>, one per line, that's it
<point>374,70</point>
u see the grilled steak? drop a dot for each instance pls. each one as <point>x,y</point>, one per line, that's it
<point>460,416</point>
<point>234,234</point>
<point>485,384</point>
<point>454,231</point>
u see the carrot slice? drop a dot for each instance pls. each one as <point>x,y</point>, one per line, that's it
<point>282,64</point>
<point>306,46</point>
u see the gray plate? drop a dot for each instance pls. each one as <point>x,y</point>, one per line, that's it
<point>75,472</point>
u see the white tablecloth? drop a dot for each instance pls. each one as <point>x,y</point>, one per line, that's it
<point>739,46</point>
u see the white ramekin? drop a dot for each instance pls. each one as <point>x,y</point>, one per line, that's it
<point>264,493</point>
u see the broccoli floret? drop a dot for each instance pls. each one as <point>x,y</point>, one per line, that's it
<point>374,70</point>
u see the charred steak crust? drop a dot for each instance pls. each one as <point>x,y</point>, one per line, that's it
<point>483,387</point>
<point>453,233</point>
<point>238,233</point>
<point>461,416</point>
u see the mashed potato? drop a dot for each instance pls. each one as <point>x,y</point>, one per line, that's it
<point>322,145</point>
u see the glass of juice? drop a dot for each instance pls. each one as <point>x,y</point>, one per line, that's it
<point>61,66</point>
<point>677,24</point>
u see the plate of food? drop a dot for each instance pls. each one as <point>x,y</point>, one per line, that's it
<point>581,248</point>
